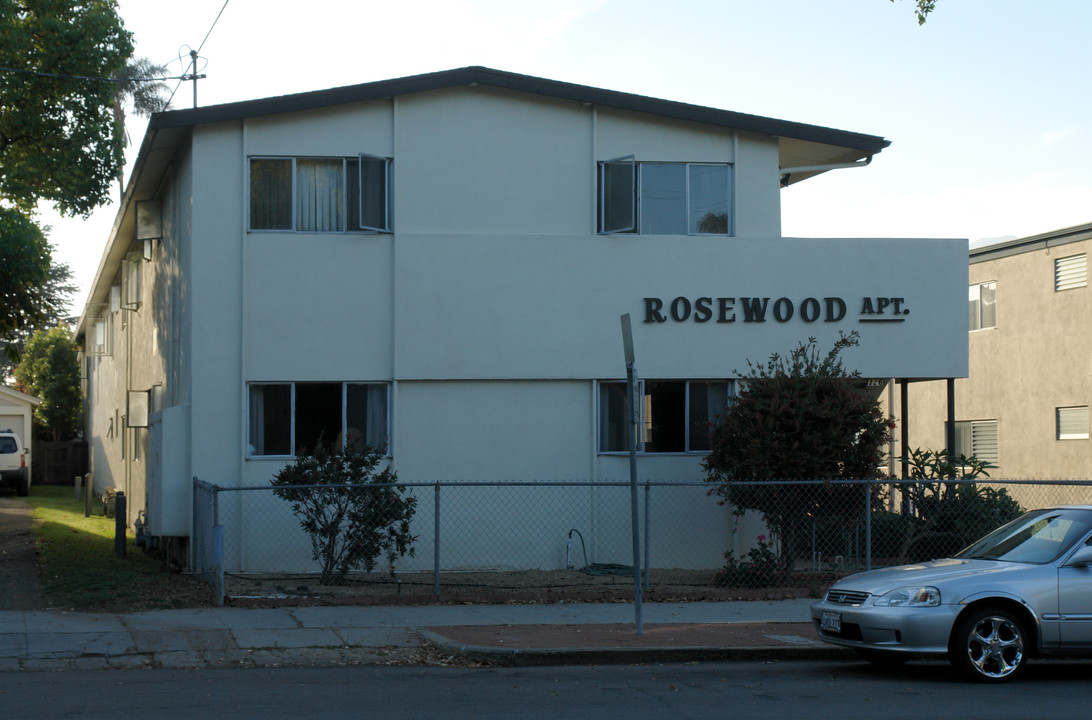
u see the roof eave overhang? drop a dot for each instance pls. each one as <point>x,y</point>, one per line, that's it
<point>864,145</point>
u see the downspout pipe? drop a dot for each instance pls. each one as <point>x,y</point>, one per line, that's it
<point>786,173</point>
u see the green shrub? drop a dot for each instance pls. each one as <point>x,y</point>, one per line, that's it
<point>352,513</point>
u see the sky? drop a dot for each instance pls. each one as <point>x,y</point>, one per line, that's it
<point>987,105</point>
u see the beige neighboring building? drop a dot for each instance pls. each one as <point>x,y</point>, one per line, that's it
<point>1024,404</point>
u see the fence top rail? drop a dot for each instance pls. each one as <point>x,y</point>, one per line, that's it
<point>450,483</point>
<point>645,483</point>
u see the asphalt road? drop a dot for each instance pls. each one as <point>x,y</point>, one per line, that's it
<point>18,572</point>
<point>800,689</point>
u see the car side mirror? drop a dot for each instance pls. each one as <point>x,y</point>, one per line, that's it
<point>1082,557</point>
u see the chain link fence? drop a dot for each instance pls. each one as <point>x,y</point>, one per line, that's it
<point>495,540</point>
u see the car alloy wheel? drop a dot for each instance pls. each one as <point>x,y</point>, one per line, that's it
<point>989,645</point>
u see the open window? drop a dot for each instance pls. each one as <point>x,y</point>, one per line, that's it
<point>308,194</point>
<point>982,306</point>
<point>373,197</point>
<point>618,195</point>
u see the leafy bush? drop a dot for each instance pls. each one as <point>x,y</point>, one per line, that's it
<point>800,417</point>
<point>352,513</point>
<point>760,567</point>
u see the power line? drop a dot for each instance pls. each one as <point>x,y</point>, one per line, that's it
<point>194,75</point>
<point>213,25</point>
<point>61,76</point>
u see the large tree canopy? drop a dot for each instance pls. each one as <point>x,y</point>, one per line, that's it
<point>59,141</point>
<point>27,301</point>
<point>50,371</point>
<point>24,271</point>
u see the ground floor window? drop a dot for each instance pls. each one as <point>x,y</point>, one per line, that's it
<point>977,438</point>
<point>289,418</point>
<point>674,416</point>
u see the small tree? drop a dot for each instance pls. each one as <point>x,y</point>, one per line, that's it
<point>352,513</point>
<point>799,417</point>
<point>50,371</point>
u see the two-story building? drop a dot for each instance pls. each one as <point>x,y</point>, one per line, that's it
<point>437,265</point>
<point>1024,404</point>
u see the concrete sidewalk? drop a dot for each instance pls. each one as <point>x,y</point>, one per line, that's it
<point>561,633</point>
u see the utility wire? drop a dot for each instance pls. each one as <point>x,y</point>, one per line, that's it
<point>184,78</point>
<point>213,25</point>
<point>62,76</point>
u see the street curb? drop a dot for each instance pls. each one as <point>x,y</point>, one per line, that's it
<point>516,657</point>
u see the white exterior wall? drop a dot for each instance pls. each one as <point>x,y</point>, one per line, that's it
<point>493,336</point>
<point>216,304</point>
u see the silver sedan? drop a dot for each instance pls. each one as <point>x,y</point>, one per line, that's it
<point>1024,589</point>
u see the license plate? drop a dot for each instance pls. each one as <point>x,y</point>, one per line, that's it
<point>832,622</point>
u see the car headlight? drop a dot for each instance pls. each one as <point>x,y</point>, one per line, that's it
<point>910,597</point>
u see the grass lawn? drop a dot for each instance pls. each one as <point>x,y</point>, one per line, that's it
<point>79,569</point>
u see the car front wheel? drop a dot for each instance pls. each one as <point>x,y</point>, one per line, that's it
<point>989,645</point>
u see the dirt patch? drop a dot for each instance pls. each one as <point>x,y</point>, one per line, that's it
<point>530,586</point>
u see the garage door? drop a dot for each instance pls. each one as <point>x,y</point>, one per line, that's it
<point>14,422</point>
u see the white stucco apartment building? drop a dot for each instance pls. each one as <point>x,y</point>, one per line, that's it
<point>438,264</point>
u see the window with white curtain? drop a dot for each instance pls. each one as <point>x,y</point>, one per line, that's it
<point>289,418</point>
<point>305,194</point>
<point>673,416</point>
<point>663,198</point>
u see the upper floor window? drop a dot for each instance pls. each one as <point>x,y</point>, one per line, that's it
<point>288,417</point>
<point>664,198</point>
<point>674,416</point>
<point>1070,272</point>
<point>983,305</point>
<point>320,194</point>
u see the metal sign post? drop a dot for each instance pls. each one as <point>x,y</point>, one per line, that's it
<point>631,413</point>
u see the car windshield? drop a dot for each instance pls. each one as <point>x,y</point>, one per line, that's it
<point>1039,537</point>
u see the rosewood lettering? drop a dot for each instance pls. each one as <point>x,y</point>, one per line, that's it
<point>765,309</point>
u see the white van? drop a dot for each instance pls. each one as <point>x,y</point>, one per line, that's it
<point>13,463</point>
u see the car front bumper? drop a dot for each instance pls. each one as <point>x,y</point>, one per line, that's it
<point>920,630</point>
